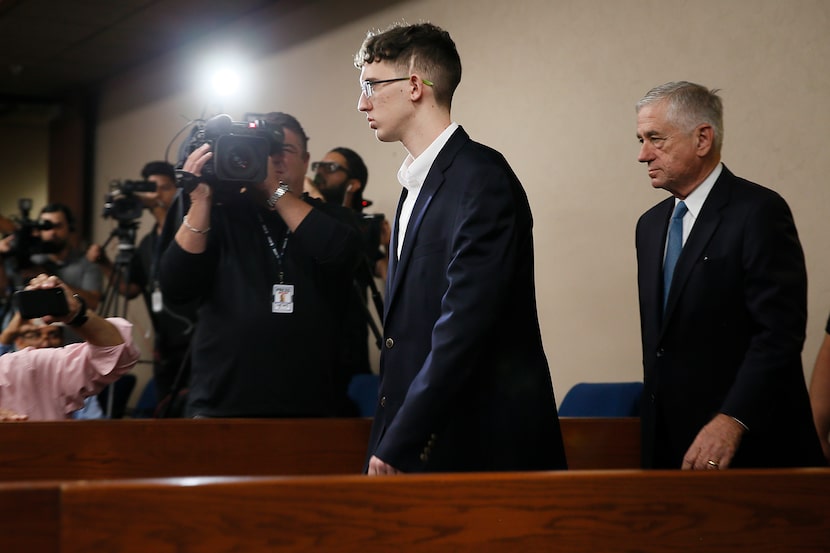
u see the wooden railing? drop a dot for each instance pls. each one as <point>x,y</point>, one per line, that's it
<point>94,450</point>
<point>734,511</point>
<point>221,486</point>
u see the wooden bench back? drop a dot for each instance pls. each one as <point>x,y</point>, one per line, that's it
<point>94,450</point>
<point>730,511</point>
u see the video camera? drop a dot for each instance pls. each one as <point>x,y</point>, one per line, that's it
<point>240,150</point>
<point>370,227</point>
<point>122,204</point>
<point>26,242</point>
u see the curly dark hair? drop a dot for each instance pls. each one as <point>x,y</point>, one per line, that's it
<point>423,47</point>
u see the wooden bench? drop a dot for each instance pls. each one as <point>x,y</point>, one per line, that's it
<point>142,448</point>
<point>30,517</point>
<point>757,511</point>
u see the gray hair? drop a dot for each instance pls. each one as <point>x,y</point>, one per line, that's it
<point>689,105</point>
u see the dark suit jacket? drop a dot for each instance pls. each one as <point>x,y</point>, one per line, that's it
<point>465,383</point>
<point>731,338</point>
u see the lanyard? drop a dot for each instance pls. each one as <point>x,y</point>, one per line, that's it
<point>277,253</point>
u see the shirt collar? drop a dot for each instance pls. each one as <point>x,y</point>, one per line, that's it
<point>695,200</point>
<point>413,171</point>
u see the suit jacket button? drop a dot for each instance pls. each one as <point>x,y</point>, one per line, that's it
<point>660,352</point>
<point>383,401</point>
<point>389,343</point>
<point>424,457</point>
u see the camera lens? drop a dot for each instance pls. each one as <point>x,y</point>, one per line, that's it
<point>241,158</point>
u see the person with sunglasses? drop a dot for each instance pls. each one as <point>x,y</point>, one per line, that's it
<point>464,384</point>
<point>340,177</point>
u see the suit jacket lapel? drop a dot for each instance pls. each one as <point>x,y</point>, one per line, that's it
<point>651,273</point>
<point>392,270</point>
<point>705,226</point>
<point>433,182</point>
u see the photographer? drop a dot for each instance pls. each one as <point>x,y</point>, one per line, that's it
<point>172,325</point>
<point>340,178</point>
<point>274,272</point>
<point>43,246</point>
<point>64,261</point>
<point>52,383</point>
<point>21,240</point>
<point>21,333</point>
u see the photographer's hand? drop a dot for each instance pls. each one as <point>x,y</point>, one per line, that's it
<point>6,244</point>
<point>287,203</point>
<point>7,415</point>
<point>11,331</point>
<point>95,330</point>
<point>192,234</point>
<point>96,254</point>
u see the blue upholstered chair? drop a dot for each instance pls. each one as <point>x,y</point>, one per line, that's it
<point>363,391</point>
<point>145,407</point>
<point>602,399</point>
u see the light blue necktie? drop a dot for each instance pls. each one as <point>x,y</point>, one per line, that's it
<point>674,243</point>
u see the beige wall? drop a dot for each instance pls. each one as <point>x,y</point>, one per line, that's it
<point>552,84</point>
<point>24,151</point>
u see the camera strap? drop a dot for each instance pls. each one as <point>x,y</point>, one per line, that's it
<point>282,294</point>
<point>278,253</point>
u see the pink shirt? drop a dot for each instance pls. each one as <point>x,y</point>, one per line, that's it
<point>51,383</point>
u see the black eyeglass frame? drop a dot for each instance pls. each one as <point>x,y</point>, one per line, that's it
<point>329,167</point>
<point>366,86</point>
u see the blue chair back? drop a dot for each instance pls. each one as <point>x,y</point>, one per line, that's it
<point>602,399</point>
<point>363,391</point>
<point>145,407</point>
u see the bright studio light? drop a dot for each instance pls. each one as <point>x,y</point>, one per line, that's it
<point>225,82</point>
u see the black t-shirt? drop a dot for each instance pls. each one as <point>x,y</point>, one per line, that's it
<point>174,324</point>
<point>246,359</point>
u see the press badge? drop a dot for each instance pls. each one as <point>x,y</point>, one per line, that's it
<point>156,301</point>
<point>283,298</point>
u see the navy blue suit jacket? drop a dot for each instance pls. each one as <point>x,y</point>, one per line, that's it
<point>730,340</point>
<point>465,384</point>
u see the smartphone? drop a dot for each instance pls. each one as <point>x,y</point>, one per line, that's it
<point>43,301</point>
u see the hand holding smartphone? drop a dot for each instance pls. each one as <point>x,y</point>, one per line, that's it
<point>33,304</point>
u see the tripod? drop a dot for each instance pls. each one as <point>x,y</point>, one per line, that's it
<point>114,300</point>
<point>360,282</point>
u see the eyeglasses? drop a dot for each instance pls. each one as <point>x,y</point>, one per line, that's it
<point>36,335</point>
<point>328,167</point>
<point>366,86</point>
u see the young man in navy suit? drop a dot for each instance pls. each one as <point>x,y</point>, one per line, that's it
<point>723,331</point>
<point>465,384</point>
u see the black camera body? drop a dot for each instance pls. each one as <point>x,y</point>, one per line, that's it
<point>240,150</point>
<point>26,242</point>
<point>370,228</point>
<point>121,203</point>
